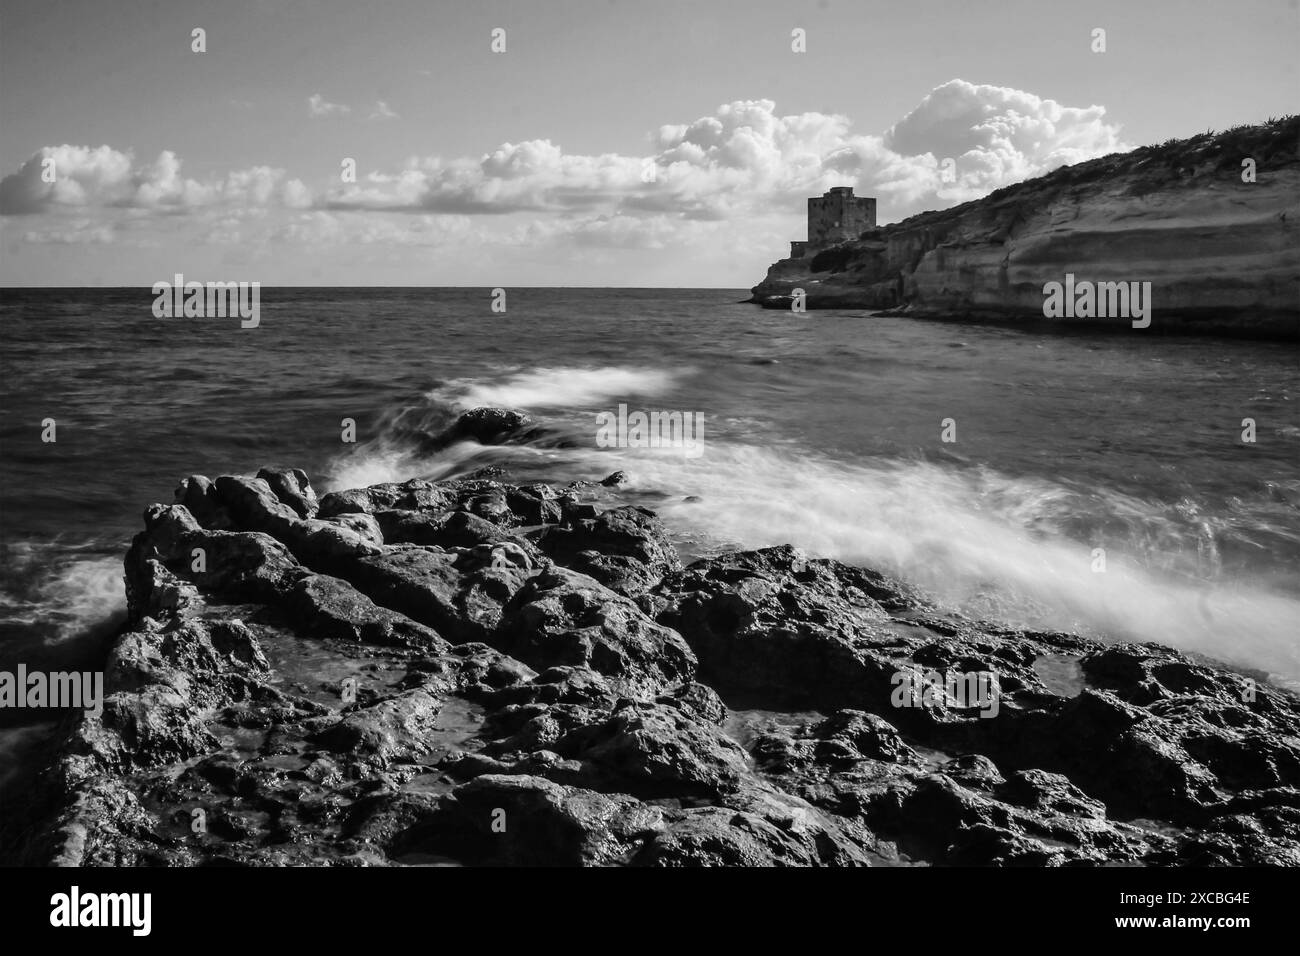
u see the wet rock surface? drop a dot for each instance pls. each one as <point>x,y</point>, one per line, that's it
<point>477,673</point>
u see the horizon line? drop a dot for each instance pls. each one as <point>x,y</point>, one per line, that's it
<point>725,288</point>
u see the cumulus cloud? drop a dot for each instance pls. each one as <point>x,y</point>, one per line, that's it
<point>535,175</point>
<point>745,167</point>
<point>997,136</point>
<point>746,159</point>
<point>78,176</point>
<point>318,107</point>
<point>959,118</point>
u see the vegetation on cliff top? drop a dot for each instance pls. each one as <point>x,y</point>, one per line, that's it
<point>1271,145</point>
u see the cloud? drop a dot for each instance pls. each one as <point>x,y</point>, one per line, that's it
<point>77,232</point>
<point>742,171</point>
<point>959,118</point>
<point>319,227</point>
<point>79,174</point>
<point>747,160</point>
<point>616,231</point>
<point>535,175</point>
<point>84,177</point>
<point>318,107</point>
<point>997,136</point>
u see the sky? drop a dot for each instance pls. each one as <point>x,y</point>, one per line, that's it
<point>610,143</point>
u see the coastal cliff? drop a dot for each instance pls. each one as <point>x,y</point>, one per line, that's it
<point>478,672</point>
<point>1222,254</point>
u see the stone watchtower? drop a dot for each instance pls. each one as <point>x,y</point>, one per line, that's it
<point>836,216</point>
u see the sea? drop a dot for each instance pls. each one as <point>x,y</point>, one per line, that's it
<point>1119,483</point>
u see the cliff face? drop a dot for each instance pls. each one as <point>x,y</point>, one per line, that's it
<point>1222,255</point>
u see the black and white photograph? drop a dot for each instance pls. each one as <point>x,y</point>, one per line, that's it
<point>441,437</point>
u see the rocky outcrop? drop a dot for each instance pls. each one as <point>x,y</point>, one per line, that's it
<point>488,674</point>
<point>1222,255</point>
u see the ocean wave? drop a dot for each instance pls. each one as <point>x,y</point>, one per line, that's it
<point>393,454</point>
<point>1015,549</point>
<point>387,461</point>
<point>560,387</point>
<point>1009,548</point>
<point>56,593</point>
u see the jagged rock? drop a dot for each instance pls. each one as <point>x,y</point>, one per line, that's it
<point>395,728</point>
<point>413,495</point>
<point>199,497</point>
<point>238,564</point>
<point>626,549</point>
<point>774,624</point>
<point>316,542</point>
<point>460,594</point>
<point>455,529</point>
<point>698,699</point>
<point>292,488</point>
<point>487,426</point>
<point>560,617</point>
<point>364,526</point>
<point>334,609</point>
<point>537,823</point>
<point>719,836</point>
<point>853,735</point>
<point>655,751</point>
<point>534,504</point>
<point>411,673</point>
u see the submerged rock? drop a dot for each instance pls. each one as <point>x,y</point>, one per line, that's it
<point>487,426</point>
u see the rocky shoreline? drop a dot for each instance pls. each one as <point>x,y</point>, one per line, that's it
<point>1216,241</point>
<point>481,673</point>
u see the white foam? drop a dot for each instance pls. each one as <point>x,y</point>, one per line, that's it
<point>389,463</point>
<point>67,600</point>
<point>560,387</point>
<point>978,540</point>
<point>993,545</point>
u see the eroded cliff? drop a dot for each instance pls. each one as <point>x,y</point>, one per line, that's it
<point>1220,252</point>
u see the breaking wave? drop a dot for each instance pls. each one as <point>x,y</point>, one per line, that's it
<point>1013,549</point>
